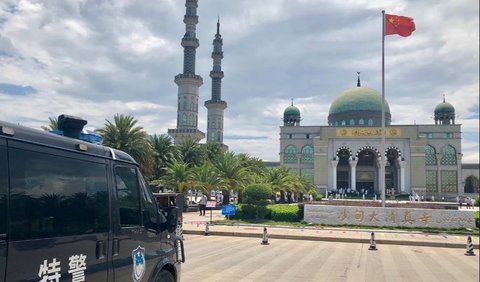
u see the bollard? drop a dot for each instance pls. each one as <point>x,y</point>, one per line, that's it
<point>469,251</point>
<point>265,237</point>
<point>206,229</point>
<point>373,245</point>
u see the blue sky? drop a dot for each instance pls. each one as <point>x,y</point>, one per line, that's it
<point>96,58</point>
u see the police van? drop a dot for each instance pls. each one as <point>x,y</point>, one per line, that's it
<point>71,210</point>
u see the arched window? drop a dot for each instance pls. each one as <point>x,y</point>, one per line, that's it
<point>361,121</point>
<point>290,155</point>
<point>184,119</point>
<point>352,122</point>
<point>448,156</point>
<point>430,156</point>
<point>307,154</point>
<point>471,185</point>
<point>370,122</point>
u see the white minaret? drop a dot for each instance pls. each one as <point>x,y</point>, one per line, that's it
<point>188,82</point>
<point>215,105</point>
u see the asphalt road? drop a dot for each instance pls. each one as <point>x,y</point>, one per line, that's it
<point>219,258</point>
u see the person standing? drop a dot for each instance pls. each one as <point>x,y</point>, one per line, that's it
<point>202,204</point>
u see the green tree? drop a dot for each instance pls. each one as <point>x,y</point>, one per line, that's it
<point>123,134</point>
<point>178,177</point>
<point>191,152</point>
<point>232,173</point>
<point>165,153</point>
<point>206,178</point>
<point>53,125</point>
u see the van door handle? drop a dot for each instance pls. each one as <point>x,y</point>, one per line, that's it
<point>101,249</point>
<point>116,247</point>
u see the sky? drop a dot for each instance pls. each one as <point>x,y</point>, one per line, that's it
<point>97,58</point>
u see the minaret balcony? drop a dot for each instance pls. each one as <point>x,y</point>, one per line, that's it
<point>184,78</point>
<point>216,74</point>
<point>215,104</point>
<point>190,42</point>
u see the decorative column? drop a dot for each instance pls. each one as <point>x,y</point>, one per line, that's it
<point>334,176</point>
<point>353,171</point>
<point>402,175</point>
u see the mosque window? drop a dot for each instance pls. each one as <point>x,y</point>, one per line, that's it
<point>184,119</point>
<point>430,156</point>
<point>370,122</point>
<point>448,156</point>
<point>307,155</point>
<point>352,122</point>
<point>344,122</point>
<point>290,155</point>
<point>431,181</point>
<point>449,181</point>
<point>361,121</point>
<point>448,135</point>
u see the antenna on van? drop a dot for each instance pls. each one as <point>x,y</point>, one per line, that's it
<point>71,125</point>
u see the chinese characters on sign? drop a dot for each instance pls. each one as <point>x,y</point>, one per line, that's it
<point>51,271</point>
<point>373,216</point>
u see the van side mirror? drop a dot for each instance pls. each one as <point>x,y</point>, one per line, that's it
<point>172,219</point>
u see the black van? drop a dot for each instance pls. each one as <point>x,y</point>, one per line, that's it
<point>76,211</point>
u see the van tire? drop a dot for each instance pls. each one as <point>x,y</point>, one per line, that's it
<point>165,276</point>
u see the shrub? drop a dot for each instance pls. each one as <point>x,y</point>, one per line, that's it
<point>257,194</point>
<point>290,213</point>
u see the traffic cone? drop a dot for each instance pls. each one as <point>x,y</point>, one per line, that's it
<point>265,237</point>
<point>206,229</point>
<point>469,251</point>
<point>373,245</point>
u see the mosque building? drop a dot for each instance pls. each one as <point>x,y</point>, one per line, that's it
<point>421,159</point>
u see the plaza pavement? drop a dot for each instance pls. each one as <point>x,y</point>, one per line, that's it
<point>193,223</point>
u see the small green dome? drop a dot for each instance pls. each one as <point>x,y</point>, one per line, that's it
<point>291,111</point>
<point>358,99</point>
<point>444,108</point>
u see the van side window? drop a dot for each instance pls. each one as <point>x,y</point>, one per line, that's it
<point>3,190</point>
<point>128,196</point>
<point>52,196</point>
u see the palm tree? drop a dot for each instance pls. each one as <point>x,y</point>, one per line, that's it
<point>178,177</point>
<point>232,173</point>
<point>165,151</point>
<point>191,152</point>
<point>53,125</point>
<point>122,134</point>
<point>206,178</point>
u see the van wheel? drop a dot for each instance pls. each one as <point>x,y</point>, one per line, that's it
<point>165,276</point>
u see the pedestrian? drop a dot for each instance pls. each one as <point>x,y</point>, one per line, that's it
<point>202,204</point>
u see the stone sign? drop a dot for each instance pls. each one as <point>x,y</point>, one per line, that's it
<point>398,217</point>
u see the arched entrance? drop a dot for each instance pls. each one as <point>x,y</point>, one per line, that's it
<point>343,168</point>
<point>392,168</point>
<point>471,185</point>
<point>367,171</point>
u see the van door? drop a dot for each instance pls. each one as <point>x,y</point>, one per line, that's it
<point>58,221</point>
<point>3,208</point>
<point>136,245</point>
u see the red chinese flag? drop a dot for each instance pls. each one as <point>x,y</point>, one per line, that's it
<point>403,26</point>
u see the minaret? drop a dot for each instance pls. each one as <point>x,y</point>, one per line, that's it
<point>215,105</point>
<point>188,82</point>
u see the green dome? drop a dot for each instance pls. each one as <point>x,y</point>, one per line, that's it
<point>444,108</point>
<point>291,111</point>
<point>358,99</point>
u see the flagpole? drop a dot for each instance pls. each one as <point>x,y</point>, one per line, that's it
<point>382,145</point>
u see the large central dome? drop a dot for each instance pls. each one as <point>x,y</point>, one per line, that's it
<point>358,106</point>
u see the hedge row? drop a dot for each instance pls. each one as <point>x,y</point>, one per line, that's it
<point>279,212</point>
